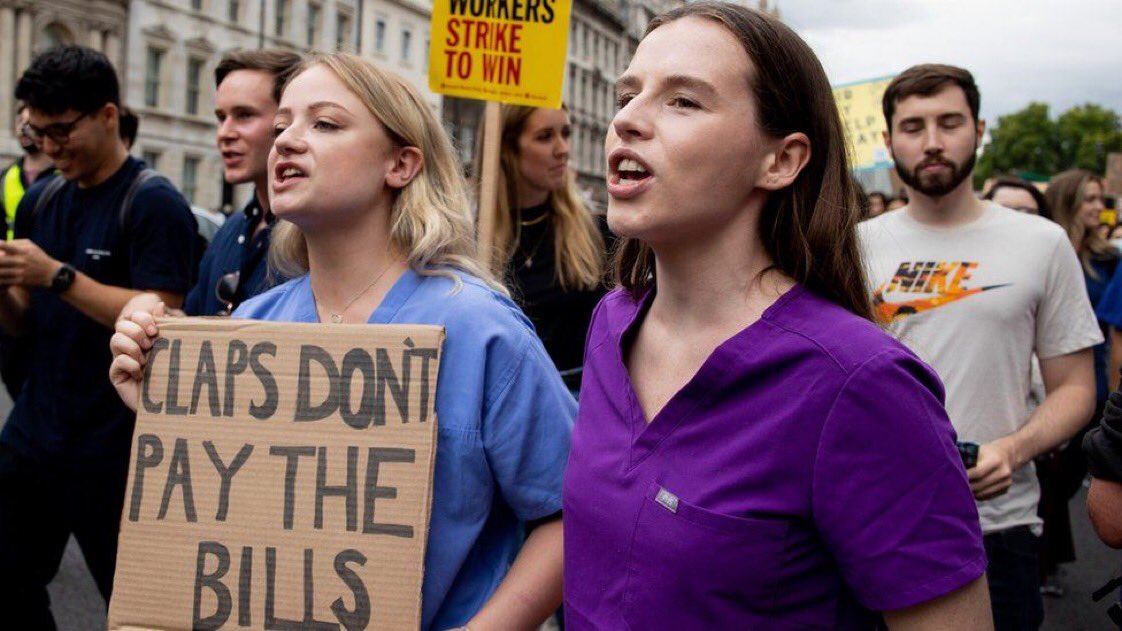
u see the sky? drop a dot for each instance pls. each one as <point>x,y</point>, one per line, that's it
<point>1061,53</point>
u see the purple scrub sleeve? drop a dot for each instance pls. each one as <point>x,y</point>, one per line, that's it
<point>805,477</point>
<point>887,490</point>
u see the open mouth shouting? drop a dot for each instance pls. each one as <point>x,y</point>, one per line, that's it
<point>286,175</point>
<point>628,175</point>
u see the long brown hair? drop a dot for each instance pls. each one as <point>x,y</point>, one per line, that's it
<point>809,228</point>
<point>578,247</point>
<point>1065,199</point>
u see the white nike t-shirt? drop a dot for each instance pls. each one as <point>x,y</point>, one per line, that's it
<point>975,302</point>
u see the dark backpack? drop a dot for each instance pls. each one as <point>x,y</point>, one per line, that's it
<point>145,175</point>
<point>56,184</point>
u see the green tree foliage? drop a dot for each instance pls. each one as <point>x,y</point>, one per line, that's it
<point>1086,134</point>
<point>1030,141</point>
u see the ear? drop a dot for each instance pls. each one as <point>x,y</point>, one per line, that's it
<point>784,164</point>
<point>407,163</point>
<point>981,131</point>
<point>110,112</point>
<point>886,135</point>
<point>110,116</point>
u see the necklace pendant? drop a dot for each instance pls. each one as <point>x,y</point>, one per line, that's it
<point>336,318</point>
<point>529,262</point>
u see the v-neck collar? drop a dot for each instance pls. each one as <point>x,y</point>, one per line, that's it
<point>696,393</point>
<point>384,313</point>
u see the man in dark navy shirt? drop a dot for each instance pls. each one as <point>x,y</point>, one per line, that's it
<point>234,268</point>
<point>79,255</point>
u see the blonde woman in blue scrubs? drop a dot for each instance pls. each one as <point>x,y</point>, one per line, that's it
<point>375,227</point>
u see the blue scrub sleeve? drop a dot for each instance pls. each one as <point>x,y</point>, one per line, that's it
<point>526,429</point>
<point>890,495</point>
<point>162,236</point>
<point>1109,309</point>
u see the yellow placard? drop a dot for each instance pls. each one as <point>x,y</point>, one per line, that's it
<point>512,51</point>
<point>860,106</point>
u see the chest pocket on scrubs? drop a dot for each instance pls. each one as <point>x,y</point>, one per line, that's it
<point>689,564</point>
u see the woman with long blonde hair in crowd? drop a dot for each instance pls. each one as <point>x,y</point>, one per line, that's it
<point>375,227</point>
<point>547,245</point>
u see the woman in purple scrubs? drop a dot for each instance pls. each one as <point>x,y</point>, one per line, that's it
<point>752,452</point>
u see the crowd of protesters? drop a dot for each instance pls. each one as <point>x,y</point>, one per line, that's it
<point>797,409</point>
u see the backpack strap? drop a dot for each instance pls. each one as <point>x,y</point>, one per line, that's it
<point>56,184</point>
<point>141,178</point>
<point>52,189</point>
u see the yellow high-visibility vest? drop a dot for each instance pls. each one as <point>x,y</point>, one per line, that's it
<point>13,192</point>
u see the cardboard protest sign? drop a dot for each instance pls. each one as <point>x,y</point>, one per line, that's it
<point>510,51</point>
<point>859,104</point>
<point>281,477</point>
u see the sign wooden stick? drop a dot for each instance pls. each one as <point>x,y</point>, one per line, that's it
<point>488,176</point>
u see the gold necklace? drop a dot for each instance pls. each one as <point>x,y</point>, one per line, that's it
<point>337,317</point>
<point>534,222</point>
<point>529,262</point>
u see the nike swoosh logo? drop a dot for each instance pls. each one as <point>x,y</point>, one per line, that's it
<point>887,312</point>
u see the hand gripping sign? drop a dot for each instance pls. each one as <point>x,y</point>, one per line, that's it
<point>280,477</point>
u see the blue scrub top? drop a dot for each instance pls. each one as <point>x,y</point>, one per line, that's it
<point>235,248</point>
<point>504,420</point>
<point>1105,293</point>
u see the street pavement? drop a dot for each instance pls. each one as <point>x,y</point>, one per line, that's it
<point>77,606</point>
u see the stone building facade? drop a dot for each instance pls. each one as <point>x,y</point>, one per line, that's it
<point>166,50</point>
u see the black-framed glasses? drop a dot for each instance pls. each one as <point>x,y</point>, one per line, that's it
<point>226,290</point>
<point>59,133</point>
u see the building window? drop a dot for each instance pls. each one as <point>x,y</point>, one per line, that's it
<point>190,178</point>
<point>151,158</point>
<point>313,24</point>
<point>194,76</point>
<point>280,18</point>
<point>234,10</point>
<point>196,5</point>
<point>152,77</point>
<point>380,35</point>
<point>406,44</point>
<point>342,31</point>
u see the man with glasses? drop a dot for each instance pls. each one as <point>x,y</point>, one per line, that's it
<point>76,260</point>
<point>249,84</point>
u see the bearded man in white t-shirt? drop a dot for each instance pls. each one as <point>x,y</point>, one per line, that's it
<point>975,289</point>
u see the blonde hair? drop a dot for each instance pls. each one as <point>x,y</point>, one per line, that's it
<point>1065,198</point>
<point>431,216</point>
<point>578,246</point>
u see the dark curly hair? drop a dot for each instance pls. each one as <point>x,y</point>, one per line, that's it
<point>69,78</point>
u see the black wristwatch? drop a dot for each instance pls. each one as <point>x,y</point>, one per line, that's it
<point>63,278</point>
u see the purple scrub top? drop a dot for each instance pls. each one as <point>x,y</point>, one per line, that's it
<point>805,477</point>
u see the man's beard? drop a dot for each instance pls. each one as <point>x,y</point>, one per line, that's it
<point>30,149</point>
<point>938,186</point>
